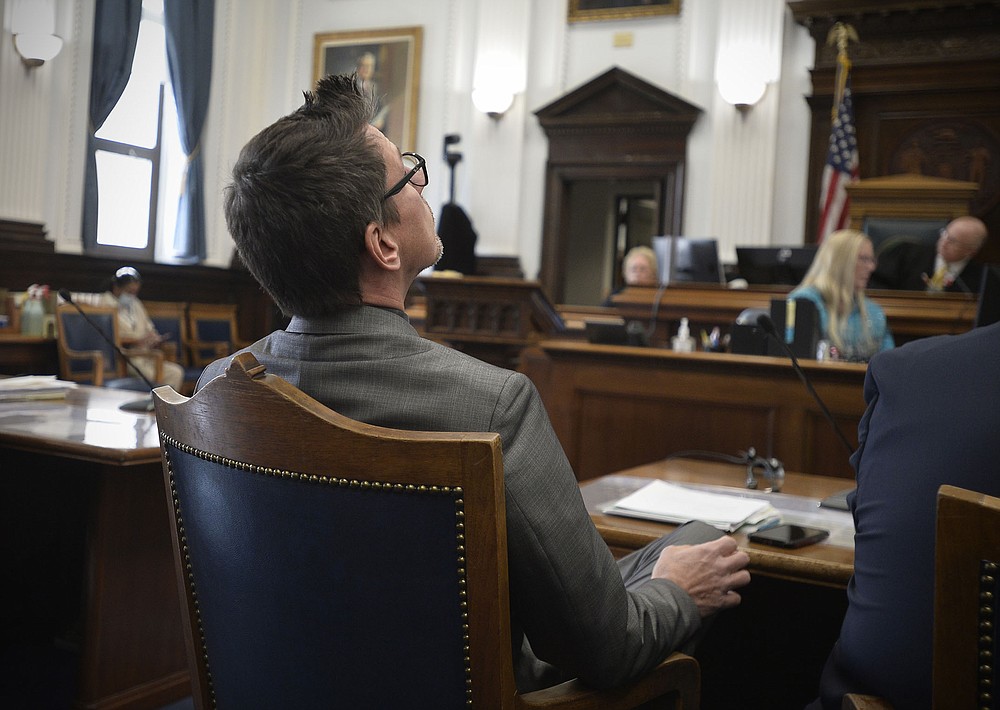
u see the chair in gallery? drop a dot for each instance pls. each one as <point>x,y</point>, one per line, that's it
<point>213,332</point>
<point>299,593</point>
<point>966,589</point>
<point>170,320</point>
<point>87,357</point>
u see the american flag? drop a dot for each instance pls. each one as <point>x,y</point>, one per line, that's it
<point>841,168</point>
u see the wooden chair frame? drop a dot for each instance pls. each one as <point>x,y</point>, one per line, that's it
<point>99,372</point>
<point>179,348</point>
<point>204,352</point>
<point>966,585</point>
<point>249,418</point>
<point>176,311</point>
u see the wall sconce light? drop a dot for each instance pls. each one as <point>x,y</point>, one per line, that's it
<point>495,84</point>
<point>742,92</point>
<point>742,75</point>
<point>493,101</point>
<point>33,24</point>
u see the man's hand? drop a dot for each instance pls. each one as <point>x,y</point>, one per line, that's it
<point>709,572</point>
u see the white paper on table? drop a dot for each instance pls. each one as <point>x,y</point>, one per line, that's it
<point>669,503</point>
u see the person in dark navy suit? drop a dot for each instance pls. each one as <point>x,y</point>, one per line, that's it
<point>931,420</point>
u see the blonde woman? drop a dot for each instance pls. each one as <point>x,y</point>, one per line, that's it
<point>836,283</point>
<point>640,267</point>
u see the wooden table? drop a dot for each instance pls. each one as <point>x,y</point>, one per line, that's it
<point>86,535</point>
<point>826,563</point>
<point>768,652</point>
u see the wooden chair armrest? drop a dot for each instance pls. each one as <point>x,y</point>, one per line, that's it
<point>677,680</point>
<point>855,701</point>
<point>96,359</point>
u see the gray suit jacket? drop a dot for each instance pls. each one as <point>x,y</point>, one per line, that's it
<point>567,594</point>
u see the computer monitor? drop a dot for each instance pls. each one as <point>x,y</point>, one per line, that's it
<point>988,310</point>
<point>774,265</point>
<point>687,259</point>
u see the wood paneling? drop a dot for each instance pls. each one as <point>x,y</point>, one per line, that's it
<point>615,407</point>
<point>26,257</point>
<point>926,87</point>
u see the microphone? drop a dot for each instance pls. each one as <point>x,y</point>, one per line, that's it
<point>141,405</point>
<point>765,323</point>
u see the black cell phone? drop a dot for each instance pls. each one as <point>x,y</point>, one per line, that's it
<point>789,536</point>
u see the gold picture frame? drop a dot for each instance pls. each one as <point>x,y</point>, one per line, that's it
<point>391,59</point>
<point>592,10</point>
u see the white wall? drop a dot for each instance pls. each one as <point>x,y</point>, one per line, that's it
<point>43,119</point>
<point>746,176</point>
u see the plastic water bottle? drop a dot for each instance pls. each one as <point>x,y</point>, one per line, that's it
<point>32,316</point>
<point>683,342</point>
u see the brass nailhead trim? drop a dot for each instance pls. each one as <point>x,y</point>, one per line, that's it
<point>987,592</point>
<point>454,491</point>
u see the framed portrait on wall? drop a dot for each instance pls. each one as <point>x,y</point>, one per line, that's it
<point>588,10</point>
<point>387,63</point>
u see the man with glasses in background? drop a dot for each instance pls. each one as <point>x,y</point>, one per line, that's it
<point>946,266</point>
<point>328,216</point>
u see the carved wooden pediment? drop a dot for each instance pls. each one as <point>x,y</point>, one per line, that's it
<point>618,98</point>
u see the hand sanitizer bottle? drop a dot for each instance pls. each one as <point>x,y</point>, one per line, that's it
<point>33,312</point>
<point>683,342</point>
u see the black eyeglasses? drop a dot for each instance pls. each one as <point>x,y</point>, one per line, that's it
<point>416,172</point>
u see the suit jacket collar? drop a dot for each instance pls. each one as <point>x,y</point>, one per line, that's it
<point>358,320</point>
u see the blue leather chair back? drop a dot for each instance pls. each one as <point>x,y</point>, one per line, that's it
<point>173,327</point>
<point>214,331</point>
<point>212,326</point>
<point>77,335</point>
<point>170,326</point>
<point>313,593</point>
<point>326,567</point>
<point>80,335</point>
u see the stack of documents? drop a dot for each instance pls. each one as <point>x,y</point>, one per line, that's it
<point>13,389</point>
<point>670,503</point>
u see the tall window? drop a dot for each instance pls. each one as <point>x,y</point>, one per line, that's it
<point>139,157</point>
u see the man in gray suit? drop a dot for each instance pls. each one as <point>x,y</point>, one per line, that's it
<point>329,217</point>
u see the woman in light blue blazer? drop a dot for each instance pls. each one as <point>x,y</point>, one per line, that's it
<point>836,283</point>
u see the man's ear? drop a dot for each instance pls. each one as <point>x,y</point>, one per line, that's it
<point>382,247</point>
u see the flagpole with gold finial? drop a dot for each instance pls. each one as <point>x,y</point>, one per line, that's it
<point>840,35</point>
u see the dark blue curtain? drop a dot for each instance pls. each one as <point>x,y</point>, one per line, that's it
<point>116,29</point>
<point>189,28</point>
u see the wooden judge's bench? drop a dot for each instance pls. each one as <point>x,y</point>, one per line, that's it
<point>616,406</point>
